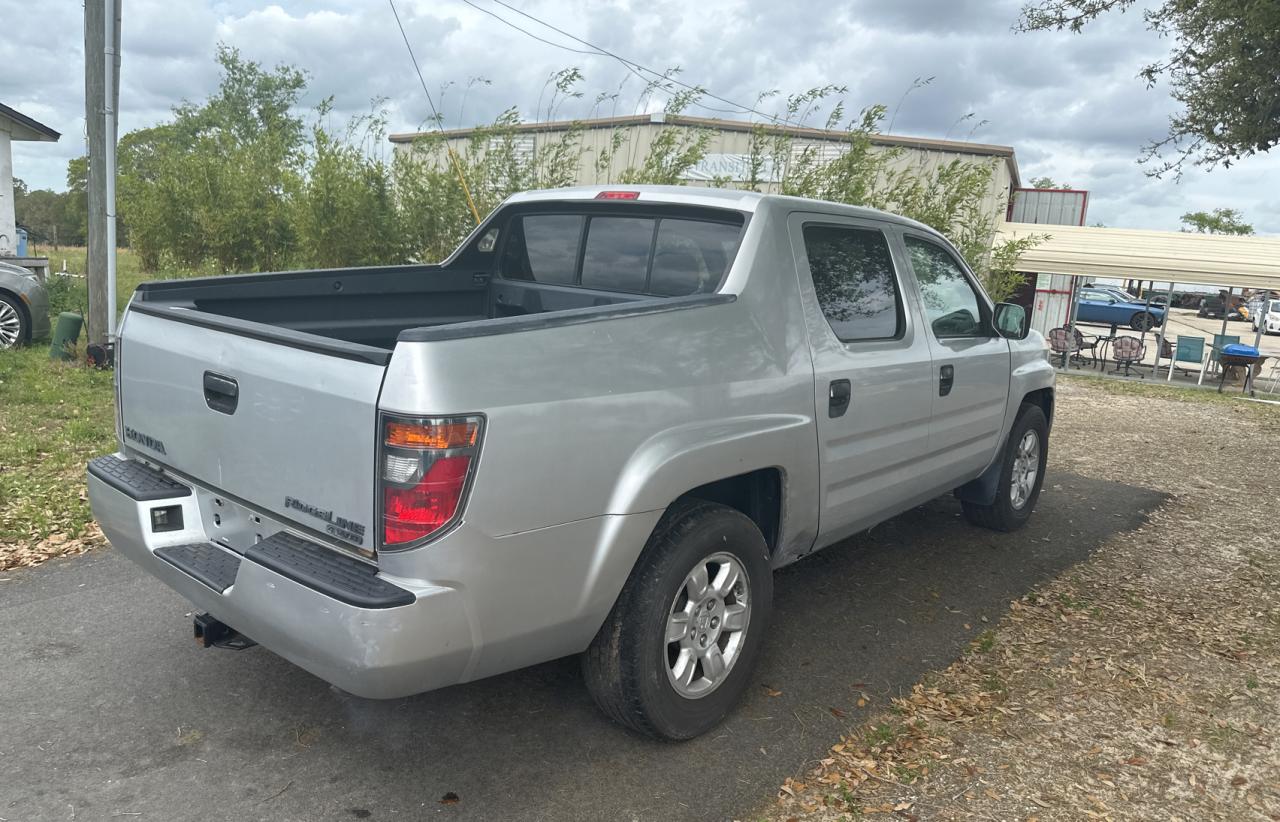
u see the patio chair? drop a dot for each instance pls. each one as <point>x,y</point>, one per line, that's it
<point>1219,340</point>
<point>1063,342</point>
<point>1274,375</point>
<point>1127,351</point>
<point>1086,344</point>
<point>1189,349</point>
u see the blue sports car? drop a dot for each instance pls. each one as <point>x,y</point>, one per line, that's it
<point>1109,306</point>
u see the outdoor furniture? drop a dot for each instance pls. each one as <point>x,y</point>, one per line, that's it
<point>1275,376</point>
<point>1103,342</point>
<point>1189,349</point>
<point>1220,340</point>
<point>1089,344</point>
<point>1244,356</point>
<point>1063,342</point>
<point>1127,351</point>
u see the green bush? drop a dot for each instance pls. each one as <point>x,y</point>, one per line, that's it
<point>238,183</point>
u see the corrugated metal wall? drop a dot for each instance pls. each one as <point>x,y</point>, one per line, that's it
<point>1054,295</point>
<point>1048,206</point>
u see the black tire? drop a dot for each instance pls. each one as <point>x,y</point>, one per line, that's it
<point>1143,321</point>
<point>12,308</point>
<point>625,666</point>
<point>1001,514</point>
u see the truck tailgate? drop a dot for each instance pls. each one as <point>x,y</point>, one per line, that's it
<point>288,430</point>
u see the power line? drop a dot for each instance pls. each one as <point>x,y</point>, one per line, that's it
<point>597,53</point>
<point>457,165</point>
<point>631,64</point>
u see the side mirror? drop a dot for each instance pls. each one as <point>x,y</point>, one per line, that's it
<point>1011,321</point>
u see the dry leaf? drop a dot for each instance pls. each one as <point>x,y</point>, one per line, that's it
<point>450,798</point>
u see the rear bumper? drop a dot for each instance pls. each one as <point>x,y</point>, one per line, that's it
<point>379,653</point>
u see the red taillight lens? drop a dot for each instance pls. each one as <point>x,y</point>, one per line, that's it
<point>409,514</point>
<point>426,464</point>
<point>618,195</point>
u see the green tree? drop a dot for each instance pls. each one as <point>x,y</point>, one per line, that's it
<point>216,182</point>
<point>76,214</point>
<point>957,197</point>
<point>1221,69</point>
<point>1218,221</point>
<point>345,210</point>
<point>1049,183</point>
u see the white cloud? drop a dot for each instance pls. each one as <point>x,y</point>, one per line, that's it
<point>1071,105</point>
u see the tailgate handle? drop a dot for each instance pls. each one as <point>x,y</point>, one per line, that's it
<point>221,393</point>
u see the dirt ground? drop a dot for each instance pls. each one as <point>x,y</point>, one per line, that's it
<point>1142,684</point>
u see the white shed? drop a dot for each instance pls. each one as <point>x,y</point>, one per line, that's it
<point>14,125</point>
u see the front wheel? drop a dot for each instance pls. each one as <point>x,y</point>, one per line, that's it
<point>1143,321</point>
<point>13,323</point>
<point>677,650</point>
<point>1021,475</point>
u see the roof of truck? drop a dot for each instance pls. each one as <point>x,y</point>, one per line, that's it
<point>747,201</point>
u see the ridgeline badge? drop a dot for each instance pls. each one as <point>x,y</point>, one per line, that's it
<point>340,527</point>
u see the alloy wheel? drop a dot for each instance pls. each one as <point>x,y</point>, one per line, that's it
<point>1026,468</point>
<point>707,625</point>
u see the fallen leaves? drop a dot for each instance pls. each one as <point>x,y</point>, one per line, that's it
<point>1139,684</point>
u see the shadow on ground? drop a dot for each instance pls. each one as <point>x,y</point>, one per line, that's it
<point>109,708</point>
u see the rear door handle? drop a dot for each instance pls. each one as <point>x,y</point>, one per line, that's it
<point>946,379</point>
<point>838,396</point>
<point>221,393</point>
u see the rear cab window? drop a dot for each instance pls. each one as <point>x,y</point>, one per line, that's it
<point>632,249</point>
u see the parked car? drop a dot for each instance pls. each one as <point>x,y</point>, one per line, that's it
<point>1215,307</point>
<point>24,307</point>
<point>597,428</point>
<point>1111,307</point>
<point>1272,318</point>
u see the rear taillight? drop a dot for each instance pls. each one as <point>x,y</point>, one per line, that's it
<point>426,468</point>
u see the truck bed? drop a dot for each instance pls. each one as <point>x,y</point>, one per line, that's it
<point>362,311</point>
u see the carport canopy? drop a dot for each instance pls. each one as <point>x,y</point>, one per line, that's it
<point>1221,260</point>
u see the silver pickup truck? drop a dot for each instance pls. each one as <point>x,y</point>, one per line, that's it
<point>595,429</point>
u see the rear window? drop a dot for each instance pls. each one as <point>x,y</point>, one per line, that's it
<point>663,256</point>
<point>616,257</point>
<point>543,248</point>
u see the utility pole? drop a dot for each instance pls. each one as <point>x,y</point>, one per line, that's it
<point>101,101</point>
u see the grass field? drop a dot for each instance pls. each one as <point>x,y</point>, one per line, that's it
<point>53,418</point>
<point>69,293</point>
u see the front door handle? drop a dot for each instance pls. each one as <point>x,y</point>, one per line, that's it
<point>838,396</point>
<point>946,379</point>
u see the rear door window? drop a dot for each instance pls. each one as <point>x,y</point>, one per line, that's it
<point>855,282</point>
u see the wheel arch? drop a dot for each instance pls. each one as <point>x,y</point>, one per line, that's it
<point>982,490</point>
<point>757,494</point>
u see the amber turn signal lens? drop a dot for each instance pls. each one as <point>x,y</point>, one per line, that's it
<point>432,435</point>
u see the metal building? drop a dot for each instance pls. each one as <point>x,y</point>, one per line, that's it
<point>727,159</point>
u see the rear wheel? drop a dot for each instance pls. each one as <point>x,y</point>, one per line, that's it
<point>13,323</point>
<point>1143,321</point>
<point>1021,475</point>
<point>677,650</point>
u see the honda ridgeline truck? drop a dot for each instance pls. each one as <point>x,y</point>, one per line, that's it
<point>596,429</point>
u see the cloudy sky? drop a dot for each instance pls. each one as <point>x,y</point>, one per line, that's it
<point>1071,105</point>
